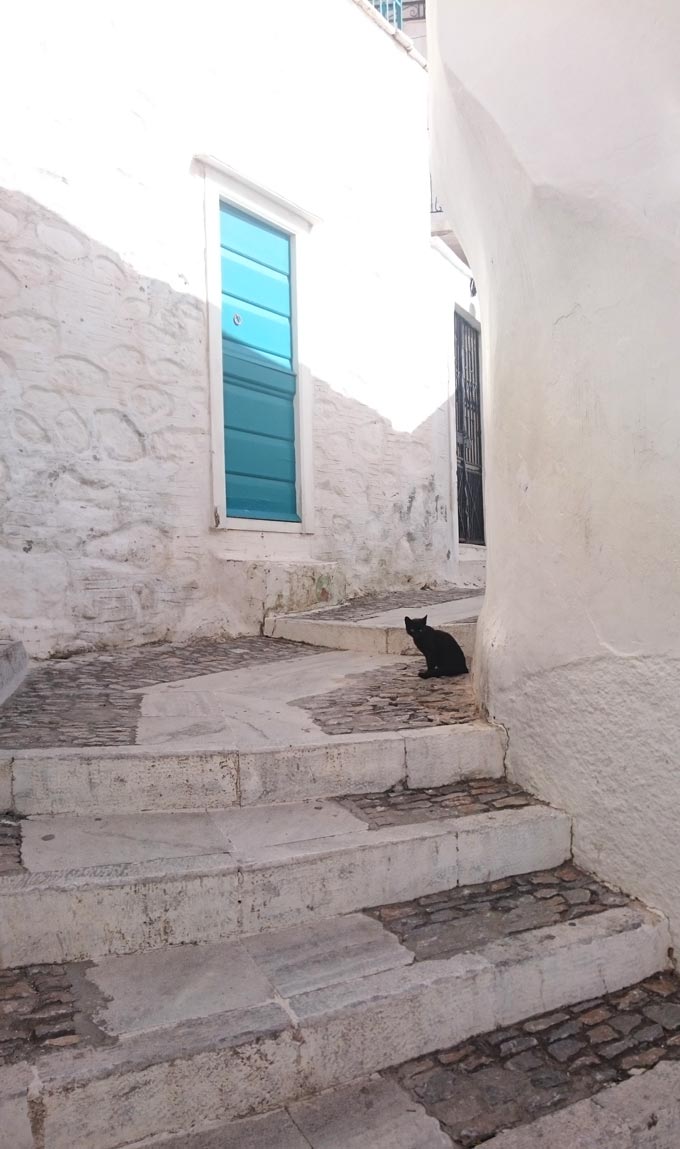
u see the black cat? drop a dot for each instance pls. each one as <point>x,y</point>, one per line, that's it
<point>442,653</point>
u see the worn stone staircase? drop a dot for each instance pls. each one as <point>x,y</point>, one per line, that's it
<point>372,941</point>
<point>376,625</point>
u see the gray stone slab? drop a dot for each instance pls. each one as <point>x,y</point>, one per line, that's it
<point>268,1131</point>
<point>163,987</point>
<point>641,1113</point>
<point>13,667</point>
<point>321,954</point>
<point>255,828</point>
<point>247,708</point>
<point>66,842</point>
<point>15,1125</point>
<point>93,781</point>
<point>372,1114</point>
<point>482,925</point>
<point>438,614</point>
<point>172,1050</point>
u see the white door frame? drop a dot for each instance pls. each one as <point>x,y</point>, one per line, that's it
<point>222,183</point>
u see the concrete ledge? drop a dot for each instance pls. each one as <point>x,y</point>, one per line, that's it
<point>133,779</point>
<point>473,750</point>
<point>55,917</point>
<point>363,636</point>
<point>73,915</point>
<point>111,781</point>
<point>13,667</point>
<point>465,633</point>
<point>202,1073</point>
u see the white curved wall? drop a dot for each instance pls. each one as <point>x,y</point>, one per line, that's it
<point>557,152</point>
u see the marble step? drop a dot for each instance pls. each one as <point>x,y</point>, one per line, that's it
<point>104,780</point>
<point>642,1112</point>
<point>383,633</point>
<point>169,1046</point>
<point>89,886</point>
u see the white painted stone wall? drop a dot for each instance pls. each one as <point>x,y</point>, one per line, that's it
<point>416,31</point>
<point>556,147</point>
<point>105,533</point>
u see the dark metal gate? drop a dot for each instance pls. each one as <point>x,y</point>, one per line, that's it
<point>468,433</point>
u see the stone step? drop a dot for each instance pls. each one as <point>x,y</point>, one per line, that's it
<point>382,633</point>
<point>165,1047</point>
<point>641,1112</point>
<point>13,667</point>
<point>550,1067</point>
<point>111,780</point>
<point>116,884</point>
<point>372,1113</point>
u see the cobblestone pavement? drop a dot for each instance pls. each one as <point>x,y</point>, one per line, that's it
<point>94,699</point>
<point>444,924</point>
<point>371,604</point>
<point>10,845</point>
<point>392,698</point>
<point>37,1012</point>
<point>400,805</point>
<point>515,1075</point>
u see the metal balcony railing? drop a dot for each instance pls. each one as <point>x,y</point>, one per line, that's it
<point>391,10</point>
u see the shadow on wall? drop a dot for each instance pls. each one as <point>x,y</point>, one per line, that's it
<point>103,459</point>
<point>383,496</point>
<point>105,500</point>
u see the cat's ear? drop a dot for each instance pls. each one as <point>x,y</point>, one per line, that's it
<point>425,621</point>
<point>407,620</point>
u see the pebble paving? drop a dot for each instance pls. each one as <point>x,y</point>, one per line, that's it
<point>369,605</point>
<point>516,1075</point>
<point>393,698</point>
<point>454,921</point>
<point>95,699</point>
<point>10,845</point>
<point>37,1012</point>
<point>399,805</point>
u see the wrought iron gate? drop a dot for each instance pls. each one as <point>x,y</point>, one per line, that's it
<point>468,433</point>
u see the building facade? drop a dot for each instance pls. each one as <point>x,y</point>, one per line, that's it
<point>567,200</point>
<point>227,338</point>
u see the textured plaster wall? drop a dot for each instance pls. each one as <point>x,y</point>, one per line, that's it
<point>557,130</point>
<point>105,530</point>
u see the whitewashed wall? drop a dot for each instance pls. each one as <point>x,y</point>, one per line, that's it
<point>556,132</point>
<point>105,532</point>
<point>417,32</point>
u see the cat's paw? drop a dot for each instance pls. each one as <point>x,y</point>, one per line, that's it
<point>424,674</point>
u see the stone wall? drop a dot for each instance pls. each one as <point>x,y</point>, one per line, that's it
<point>555,151</point>
<point>106,524</point>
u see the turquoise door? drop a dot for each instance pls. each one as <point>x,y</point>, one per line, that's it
<point>257,366</point>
